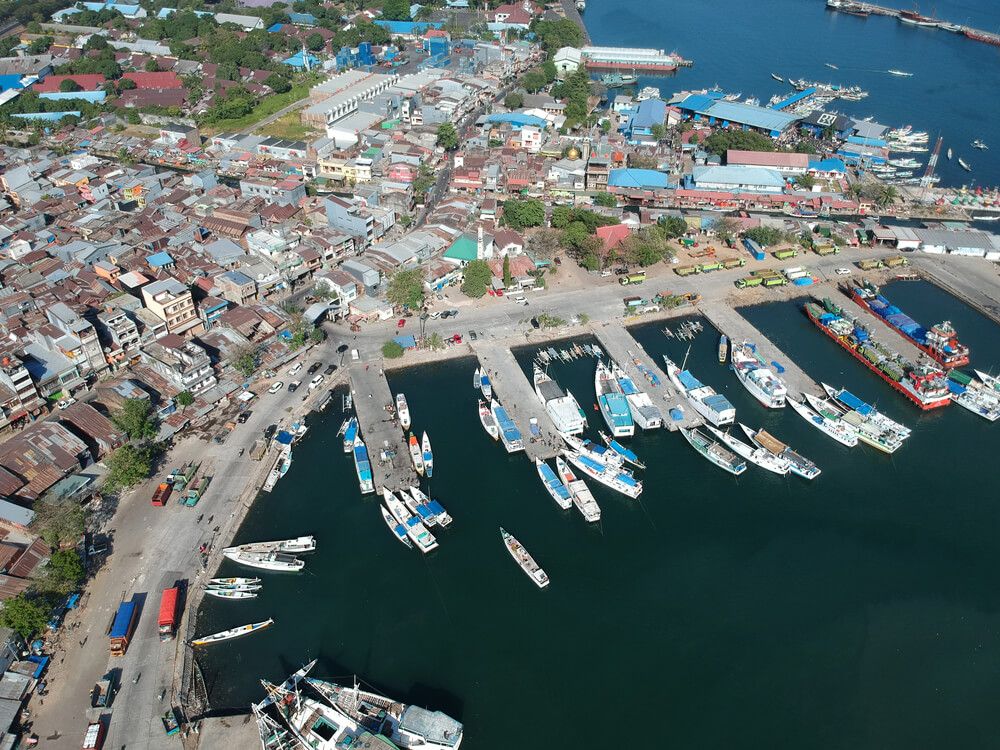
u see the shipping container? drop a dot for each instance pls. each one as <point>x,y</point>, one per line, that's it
<point>167,621</point>
<point>753,248</point>
<point>123,626</point>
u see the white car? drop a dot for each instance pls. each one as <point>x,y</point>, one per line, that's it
<point>843,271</point>
<point>275,387</point>
<point>295,368</point>
<point>66,403</point>
<point>316,382</point>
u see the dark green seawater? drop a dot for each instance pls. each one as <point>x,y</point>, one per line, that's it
<point>858,610</point>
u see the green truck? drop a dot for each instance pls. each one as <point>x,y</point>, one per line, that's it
<point>786,254</point>
<point>632,278</point>
<point>749,281</point>
<point>869,264</point>
<point>734,262</point>
<point>895,261</point>
<point>715,265</point>
<point>825,249</point>
<point>687,270</point>
<point>775,281</point>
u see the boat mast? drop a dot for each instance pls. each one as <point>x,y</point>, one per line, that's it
<point>684,363</point>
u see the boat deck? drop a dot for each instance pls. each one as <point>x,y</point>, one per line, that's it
<point>380,430</point>
<point>517,394</point>
<point>620,344</point>
<point>881,330</point>
<point>728,321</point>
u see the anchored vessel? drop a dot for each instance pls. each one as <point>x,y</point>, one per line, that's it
<point>288,546</point>
<point>350,431</point>
<point>842,433</point>
<point>428,454</point>
<point>510,436</point>
<point>798,464</point>
<point>416,456</point>
<point>561,407</point>
<point>922,384</point>
<point>397,529</point>
<point>713,451</point>
<point>226,635</point>
<point>611,475</point>
<point>628,456</point>
<point>415,529</point>
<point>754,454</point>
<point>711,405</point>
<point>644,413</point>
<point>846,401</point>
<point>974,396</point>
<point>488,422</point>
<point>402,411</point>
<point>868,432</point>
<point>583,499</point>
<point>265,560</point>
<point>363,467</point>
<point>940,341</point>
<point>756,377</point>
<point>612,402</point>
<point>429,511</point>
<point>524,560</point>
<point>554,485</point>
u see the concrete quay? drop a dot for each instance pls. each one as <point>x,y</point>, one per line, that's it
<point>517,394</point>
<point>728,321</point>
<point>376,409</point>
<point>969,279</point>
<point>619,344</point>
<point>879,328</point>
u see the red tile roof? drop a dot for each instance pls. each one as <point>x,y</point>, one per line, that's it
<point>160,80</point>
<point>86,81</point>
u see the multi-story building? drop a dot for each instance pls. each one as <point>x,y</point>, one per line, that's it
<point>236,287</point>
<point>281,189</point>
<point>352,218</point>
<point>172,303</point>
<point>120,335</point>
<point>183,363</point>
<point>76,328</point>
<point>18,395</point>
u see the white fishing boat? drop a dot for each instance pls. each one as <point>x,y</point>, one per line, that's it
<point>402,411</point>
<point>949,153</point>
<point>415,529</point>
<point>901,74</point>
<point>627,455</point>
<point>964,164</point>
<point>477,379</point>
<point>560,405</point>
<point>233,581</point>
<point>990,381</point>
<point>713,451</point>
<point>842,433</point>
<point>595,451</point>
<point>350,433</point>
<point>754,454</point>
<point>231,593</point>
<point>426,509</point>
<point>245,587</point>
<point>294,546</point>
<point>485,385</point>
<point>487,421</point>
<point>711,405</point>
<point>868,432</point>
<point>798,464</point>
<point>553,485</point>
<point>427,454</point>
<point>976,397</point>
<point>582,497</point>
<point>846,401</point>
<point>612,402</point>
<point>416,455</point>
<point>615,478</point>
<point>397,529</point>
<point>226,635</point>
<point>526,562</point>
<point>778,78</point>
<point>510,435</point>
<point>756,377</point>
<point>644,413</point>
<point>278,561</point>
<point>363,467</point>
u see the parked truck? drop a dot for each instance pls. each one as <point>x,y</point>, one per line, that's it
<point>749,281</point>
<point>715,265</point>
<point>103,693</point>
<point>161,493</point>
<point>896,261</point>
<point>632,278</point>
<point>753,248</point>
<point>734,262</point>
<point>775,281</point>
<point>869,264</point>
<point>687,270</point>
<point>94,738</point>
<point>167,621</point>
<point>785,254</point>
<point>123,626</point>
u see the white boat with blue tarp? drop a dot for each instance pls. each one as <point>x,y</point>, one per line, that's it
<point>595,451</point>
<point>397,529</point>
<point>847,401</point>
<point>843,433</point>
<point>713,406</point>
<point>350,432</point>
<point>644,413</point>
<point>485,385</point>
<point>363,467</point>
<point>510,436</point>
<point>612,402</point>
<point>617,479</point>
<point>583,499</point>
<point>627,455</point>
<point>426,509</point>
<point>798,463</point>
<point>553,484</point>
<point>415,529</point>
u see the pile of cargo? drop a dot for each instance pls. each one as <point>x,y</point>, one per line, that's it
<point>799,276</point>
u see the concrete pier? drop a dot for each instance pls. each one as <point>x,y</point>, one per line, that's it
<point>619,344</point>
<point>969,279</point>
<point>517,394</point>
<point>375,406</point>
<point>728,321</point>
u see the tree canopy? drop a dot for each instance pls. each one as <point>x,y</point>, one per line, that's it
<point>128,466</point>
<point>392,350</point>
<point>520,214</point>
<point>447,136</point>
<point>58,523</point>
<point>557,33</point>
<point>25,616</point>
<point>477,278</point>
<point>135,419</point>
<point>743,140</point>
<point>406,289</point>
<point>396,10</point>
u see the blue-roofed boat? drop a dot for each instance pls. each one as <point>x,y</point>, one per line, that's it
<point>485,385</point>
<point>397,529</point>
<point>842,432</point>
<point>750,370</point>
<point>583,499</point>
<point>612,402</point>
<point>363,467</point>
<point>644,413</point>
<point>415,529</point>
<point>618,479</point>
<point>510,436</point>
<point>430,511</point>
<point>425,447</point>
<point>847,401</point>
<point>553,484</point>
<point>711,405</point>
<point>628,455</point>
<point>596,451</point>
<point>350,432</point>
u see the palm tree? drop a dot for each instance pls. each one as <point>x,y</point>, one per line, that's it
<point>855,190</point>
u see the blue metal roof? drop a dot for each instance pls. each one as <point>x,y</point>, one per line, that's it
<point>517,119</point>
<point>828,165</point>
<point>747,114</point>
<point>698,102</point>
<point>738,176</point>
<point>861,141</point>
<point>156,260</point>
<point>648,113</point>
<point>794,98</point>
<point>638,178</point>
<point>407,27</point>
<point>305,19</point>
<point>297,61</point>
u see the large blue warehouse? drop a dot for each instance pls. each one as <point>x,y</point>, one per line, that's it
<point>715,111</point>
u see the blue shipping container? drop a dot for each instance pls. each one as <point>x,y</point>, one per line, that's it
<point>123,620</point>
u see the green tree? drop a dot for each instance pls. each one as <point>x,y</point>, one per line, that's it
<point>246,361</point>
<point>765,236</point>
<point>392,350</point>
<point>185,399</point>
<point>317,335</point>
<point>726,228</point>
<point>152,66</point>
<point>557,33</point>
<point>396,10</point>
<point>128,466</point>
<point>805,147</point>
<point>447,136</point>
<point>591,261</point>
<point>40,45</point>
<point>744,140</point>
<point>520,214</point>
<point>25,616</point>
<point>805,181</point>
<point>605,126</point>
<point>315,41</point>
<point>69,85</point>
<point>513,100</point>
<point>545,320</point>
<point>58,523</point>
<point>126,84</point>
<point>277,83</point>
<point>658,131</point>
<point>135,419</point>
<point>424,182</point>
<point>607,200</point>
<point>406,289</point>
<point>435,342</point>
<point>477,278</point>
<point>534,80</point>
<point>65,570</point>
<point>508,280</point>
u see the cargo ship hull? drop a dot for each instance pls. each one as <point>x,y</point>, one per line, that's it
<point>943,359</point>
<point>918,402</point>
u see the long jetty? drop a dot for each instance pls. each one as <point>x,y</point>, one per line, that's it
<point>728,321</point>
<point>380,429</point>
<point>978,35</point>
<point>511,387</point>
<point>625,350</point>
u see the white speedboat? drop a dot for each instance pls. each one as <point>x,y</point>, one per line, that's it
<point>526,562</point>
<point>416,455</point>
<point>397,529</point>
<point>231,594</point>
<point>756,377</point>
<point>427,455</point>
<point>554,485</point>
<point>294,546</point>
<point>402,411</point>
<point>488,422</point>
<point>798,464</point>
<point>583,499</point>
<point>233,581</point>
<point>711,405</point>
<point>226,635</point>
<point>842,433</point>
<point>363,466</point>
<point>754,454</point>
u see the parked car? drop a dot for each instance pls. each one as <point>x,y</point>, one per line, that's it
<point>499,292</point>
<point>66,403</point>
<point>275,387</point>
<point>313,367</point>
<point>843,271</point>
<point>294,386</point>
<point>244,416</point>
<point>400,323</point>
<point>295,368</point>
<point>456,339</point>
<point>472,336</point>
<point>316,382</point>
<point>330,369</point>
<point>435,315</point>
<point>269,431</point>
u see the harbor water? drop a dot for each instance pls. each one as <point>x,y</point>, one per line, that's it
<point>737,45</point>
<point>857,610</point>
